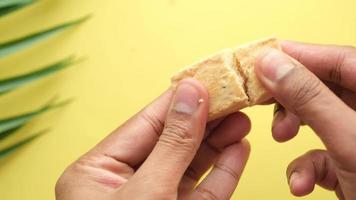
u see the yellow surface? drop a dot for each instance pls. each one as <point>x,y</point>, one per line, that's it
<point>133,47</point>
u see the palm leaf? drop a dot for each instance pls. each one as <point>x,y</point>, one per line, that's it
<point>14,147</point>
<point>7,133</point>
<point>9,84</point>
<point>7,3</point>
<point>19,44</point>
<point>8,6</point>
<point>9,125</point>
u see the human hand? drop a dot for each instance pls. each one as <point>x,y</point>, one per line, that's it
<point>162,152</point>
<point>318,88</point>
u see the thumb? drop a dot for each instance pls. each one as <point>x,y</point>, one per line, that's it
<point>301,92</point>
<point>183,132</point>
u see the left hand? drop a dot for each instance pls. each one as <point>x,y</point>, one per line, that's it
<point>162,152</point>
<point>316,85</point>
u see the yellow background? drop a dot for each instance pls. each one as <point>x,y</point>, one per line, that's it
<point>132,49</point>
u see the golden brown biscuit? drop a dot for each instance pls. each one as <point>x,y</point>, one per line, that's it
<point>246,55</point>
<point>229,78</point>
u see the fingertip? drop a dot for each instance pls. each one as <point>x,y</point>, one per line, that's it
<point>241,120</point>
<point>260,60</point>
<point>198,100</point>
<point>300,185</point>
<point>268,101</point>
<point>286,44</point>
<point>285,126</point>
<point>198,85</point>
<point>246,146</point>
<point>247,121</point>
<point>244,151</point>
<point>231,130</point>
<point>290,46</point>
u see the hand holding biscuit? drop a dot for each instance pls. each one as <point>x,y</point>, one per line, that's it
<point>162,152</point>
<point>316,86</point>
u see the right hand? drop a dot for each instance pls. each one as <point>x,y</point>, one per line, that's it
<point>316,84</point>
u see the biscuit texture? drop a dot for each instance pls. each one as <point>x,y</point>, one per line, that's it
<point>229,78</point>
<point>246,57</point>
<point>218,73</point>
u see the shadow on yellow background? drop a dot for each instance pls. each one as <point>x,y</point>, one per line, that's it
<point>133,47</point>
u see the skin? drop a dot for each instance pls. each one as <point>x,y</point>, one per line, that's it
<point>316,85</point>
<point>162,152</point>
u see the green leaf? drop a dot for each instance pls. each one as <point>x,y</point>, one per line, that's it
<point>10,125</point>
<point>14,147</point>
<point>8,10</point>
<point>9,84</point>
<point>8,6</point>
<point>8,133</point>
<point>7,3</point>
<point>19,44</point>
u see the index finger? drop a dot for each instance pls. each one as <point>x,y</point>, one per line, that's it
<point>133,141</point>
<point>329,62</point>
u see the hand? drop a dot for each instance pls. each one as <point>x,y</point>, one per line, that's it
<point>162,152</point>
<point>317,87</point>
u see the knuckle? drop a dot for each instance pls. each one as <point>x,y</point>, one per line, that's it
<point>63,184</point>
<point>60,186</point>
<point>306,90</point>
<point>178,128</point>
<point>154,122</point>
<point>206,194</point>
<point>335,73</point>
<point>78,167</point>
<point>227,170</point>
<point>178,132</point>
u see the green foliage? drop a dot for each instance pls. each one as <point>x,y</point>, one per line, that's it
<point>19,44</point>
<point>9,126</point>
<point>9,84</point>
<point>8,6</point>
<point>8,150</point>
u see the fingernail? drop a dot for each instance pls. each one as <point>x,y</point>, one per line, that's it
<point>186,99</point>
<point>293,178</point>
<point>275,65</point>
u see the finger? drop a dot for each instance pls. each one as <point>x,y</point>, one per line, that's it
<point>231,130</point>
<point>224,177</point>
<point>302,93</point>
<point>347,96</point>
<point>314,167</point>
<point>267,102</point>
<point>285,125</point>
<point>212,125</point>
<point>329,62</point>
<point>181,137</point>
<point>234,128</point>
<point>134,140</point>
